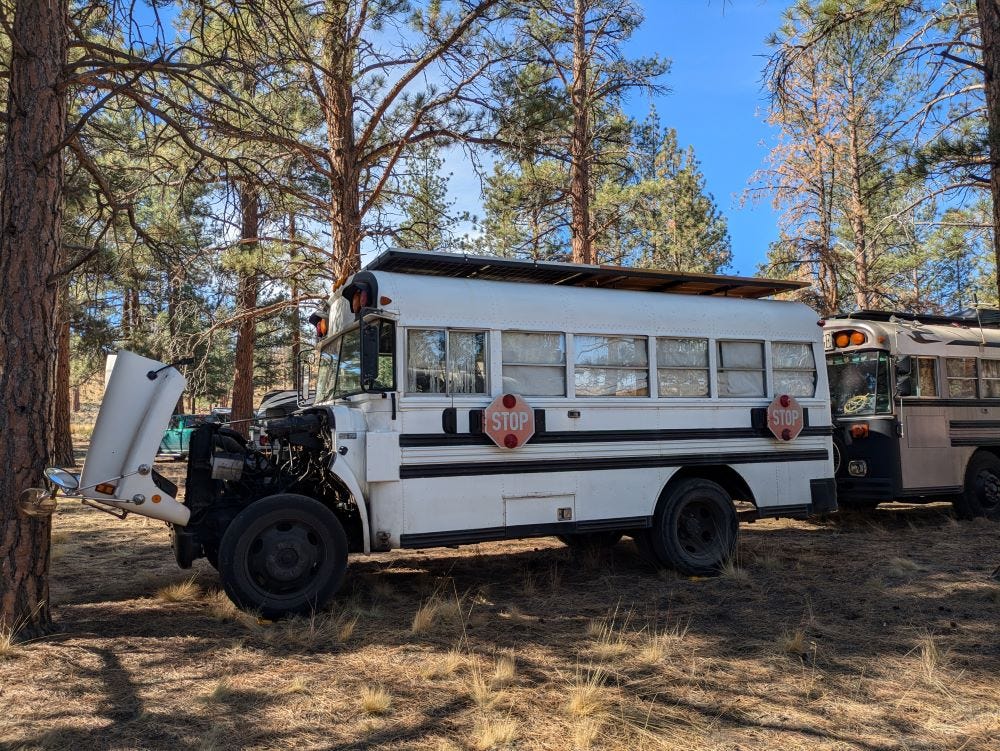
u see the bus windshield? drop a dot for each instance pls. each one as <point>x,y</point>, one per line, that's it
<point>859,383</point>
<point>340,367</point>
<point>340,364</point>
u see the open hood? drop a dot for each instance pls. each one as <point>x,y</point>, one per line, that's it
<point>139,397</point>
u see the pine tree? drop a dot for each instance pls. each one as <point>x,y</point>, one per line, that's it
<point>680,226</point>
<point>427,222</point>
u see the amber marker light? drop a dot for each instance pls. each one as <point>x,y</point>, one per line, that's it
<point>157,498</point>
<point>859,430</point>
<point>858,338</point>
<point>842,339</point>
<point>105,487</point>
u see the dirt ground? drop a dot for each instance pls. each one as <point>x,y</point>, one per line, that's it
<point>877,631</point>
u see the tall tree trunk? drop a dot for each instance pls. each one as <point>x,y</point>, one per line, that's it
<point>63,436</point>
<point>989,23</point>
<point>30,241</point>
<point>296,323</point>
<point>345,176</point>
<point>579,172</point>
<point>246,305</point>
<point>175,284</point>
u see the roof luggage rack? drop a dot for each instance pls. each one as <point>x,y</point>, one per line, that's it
<point>577,275</point>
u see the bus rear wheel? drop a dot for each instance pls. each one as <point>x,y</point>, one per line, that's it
<point>981,496</point>
<point>695,528</point>
<point>283,555</point>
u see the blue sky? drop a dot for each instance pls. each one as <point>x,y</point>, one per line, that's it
<point>716,102</point>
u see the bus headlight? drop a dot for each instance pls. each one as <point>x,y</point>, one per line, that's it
<point>857,468</point>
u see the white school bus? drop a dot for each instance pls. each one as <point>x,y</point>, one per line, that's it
<point>466,399</point>
<point>916,401</point>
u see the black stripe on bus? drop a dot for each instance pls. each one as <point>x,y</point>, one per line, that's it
<point>587,464</point>
<point>967,424</point>
<point>909,401</point>
<point>489,534</point>
<point>430,440</point>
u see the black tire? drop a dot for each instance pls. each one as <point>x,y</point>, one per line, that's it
<point>981,496</point>
<point>283,555</point>
<point>579,541</point>
<point>695,528</point>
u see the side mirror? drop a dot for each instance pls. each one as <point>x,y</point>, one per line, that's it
<point>304,366</point>
<point>904,365</point>
<point>369,354</point>
<point>904,385</point>
<point>67,482</point>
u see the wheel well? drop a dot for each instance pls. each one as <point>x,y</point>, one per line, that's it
<point>345,509</point>
<point>730,480</point>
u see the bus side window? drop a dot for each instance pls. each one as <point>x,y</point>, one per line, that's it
<point>534,363</point>
<point>927,376</point>
<point>682,367</point>
<point>611,365</point>
<point>445,362</point>
<point>741,368</point>
<point>794,368</point>
<point>991,378</point>
<point>962,377</point>
<point>425,361</point>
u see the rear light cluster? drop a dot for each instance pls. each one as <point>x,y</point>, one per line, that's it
<point>849,338</point>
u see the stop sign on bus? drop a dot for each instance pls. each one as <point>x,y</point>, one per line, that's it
<point>785,417</point>
<point>509,421</point>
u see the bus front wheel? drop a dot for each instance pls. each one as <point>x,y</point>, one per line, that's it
<point>981,496</point>
<point>694,529</point>
<point>283,555</point>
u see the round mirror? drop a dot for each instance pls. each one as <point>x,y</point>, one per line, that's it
<point>36,502</point>
<point>67,482</point>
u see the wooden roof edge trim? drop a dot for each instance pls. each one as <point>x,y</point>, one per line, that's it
<point>670,281</point>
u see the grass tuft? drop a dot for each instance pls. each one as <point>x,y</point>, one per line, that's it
<point>660,645</point>
<point>223,691</point>
<point>794,642</point>
<point>587,696</point>
<point>733,572</point>
<point>443,665</point>
<point>9,648</point>
<point>185,591</point>
<point>311,632</point>
<point>434,612</point>
<point>375,700</point>
<point>494,732</point>
<point>504,671</point>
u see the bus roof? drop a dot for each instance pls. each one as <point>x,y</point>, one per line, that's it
<point>577,275</point>
<point>988,318</point>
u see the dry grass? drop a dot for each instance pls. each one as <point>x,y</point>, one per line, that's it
<point>494,732</point>
<point>587,696</point>
<point>9,648</point>
<point>504,671</point>
<point>862,632</point>
<point>375,700</point>
<point>437,611</point>
<point>443,665</point>
<point>732,571</point>
<point>220,693</point>
<point>315,631</point>
<point>185,591</point>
